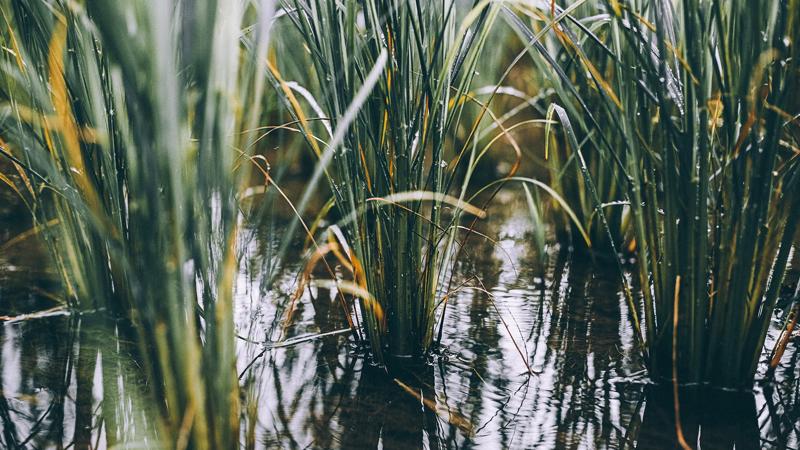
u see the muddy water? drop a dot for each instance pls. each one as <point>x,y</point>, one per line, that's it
<point>545,359</point>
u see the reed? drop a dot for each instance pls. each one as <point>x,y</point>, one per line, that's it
<point>127,127</point>
<point>569,66</point>
<point>398,179</point>
<point>698,101</point>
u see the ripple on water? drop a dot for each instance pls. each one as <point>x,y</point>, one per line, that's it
<point>546,360</point>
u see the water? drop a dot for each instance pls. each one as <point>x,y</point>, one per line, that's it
<point>547,361</point>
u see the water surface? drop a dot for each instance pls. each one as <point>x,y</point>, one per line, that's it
<point>545,359</point>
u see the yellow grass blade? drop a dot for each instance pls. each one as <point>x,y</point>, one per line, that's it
<point>412,196</point>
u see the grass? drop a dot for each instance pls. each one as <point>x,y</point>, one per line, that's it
<point>131,141</point>
<point>397,179</point>
<point>568,68</point>
<point>696,102</point>
<point>133,128</point>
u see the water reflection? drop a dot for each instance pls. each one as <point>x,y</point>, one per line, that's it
<point>67,381</point>
<point>566,321</point>
<point>545,359</point>
<point>711,419</point>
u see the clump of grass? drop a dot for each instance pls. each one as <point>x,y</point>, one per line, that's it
<point>699,99</point>
<point>127,128</point>
<point>396,178</point>
<point>569,66</point>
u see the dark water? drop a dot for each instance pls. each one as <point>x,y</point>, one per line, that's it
<point>548,360</point>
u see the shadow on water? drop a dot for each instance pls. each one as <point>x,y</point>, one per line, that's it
<point>545,359</point>
<point>714,419</point>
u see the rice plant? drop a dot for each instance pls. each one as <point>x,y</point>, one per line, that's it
<point>398,179</point>
<point>127,126</point>
<point>699,100</point>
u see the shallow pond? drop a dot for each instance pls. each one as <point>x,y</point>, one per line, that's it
<point>547,361</point>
